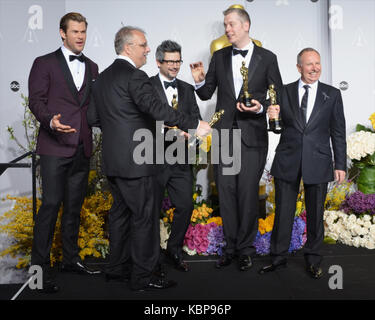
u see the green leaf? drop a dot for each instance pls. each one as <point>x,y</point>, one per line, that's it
<point>329,240</point>
<point>360,127</point>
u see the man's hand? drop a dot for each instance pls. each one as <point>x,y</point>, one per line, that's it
<point>273,111</point>
<point>203,129</point>
<point>340,176</point>
<point>185,135</point>
<point>197,71</point>
<point>254,109</point>
<point>56,125</point>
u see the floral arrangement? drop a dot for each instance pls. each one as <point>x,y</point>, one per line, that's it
<point>352,230</point>
<point>352,220</point>
<point>361,152</point>
<point>18,224</point>
<point>359,204</point>
<point>262,241</point>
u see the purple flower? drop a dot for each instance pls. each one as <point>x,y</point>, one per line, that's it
<point>359,203</point>
<point>262,243</point>
<point>216,239</point>
<point>166,204</point>
<point>297,240</point>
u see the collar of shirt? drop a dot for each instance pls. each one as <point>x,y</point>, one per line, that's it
<point>127,59</point>
<point>76,67</point>
<point>66,52</point>
<point>311,97</point>
<point>170,91</point>
<point>313,86</point>
<point>163,78</point>
<point>249,46</point>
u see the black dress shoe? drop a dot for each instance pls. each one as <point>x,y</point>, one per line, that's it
<point>273,267</point>
<point>314,271</point>
<point>245,262</point>
<point>49,287</point>
<point>78,267</point>
<point>115,277</point>
<point>158,283</point>
<point>224,260</point>
<point>160,271</point>
<point>178,263</point>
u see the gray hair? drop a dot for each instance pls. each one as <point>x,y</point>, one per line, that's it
<point>125,36</point>
<point>244,16</point>
<point>299,56</point>
<point>166,46</point>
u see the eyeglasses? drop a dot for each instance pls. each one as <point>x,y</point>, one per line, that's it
<point>172,62</point>
<point>143,45</point>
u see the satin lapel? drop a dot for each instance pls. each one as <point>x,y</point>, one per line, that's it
<point>67,75</point>
<point>227,60</point>
<point>159,88</point>
<point>294,104</point>
<point>321,98</point>
<point>181,94</point>
<point>88,79</point>
<point>254,61</point>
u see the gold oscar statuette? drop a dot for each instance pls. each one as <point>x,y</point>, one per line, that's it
<point>215,118</point>
<point>246,96</point>
<point>174,104</point>
<point>274,124</point>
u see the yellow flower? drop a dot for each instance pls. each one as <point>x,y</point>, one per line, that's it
<point>195,196</point>
<point>217,220</point>
<point>372,119</point>
<point>266,225</point>
<point>92,175</point>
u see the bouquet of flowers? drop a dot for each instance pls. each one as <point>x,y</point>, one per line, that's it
<point>361,151</point>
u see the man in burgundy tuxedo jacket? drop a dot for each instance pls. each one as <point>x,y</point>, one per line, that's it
<point>59,92</point>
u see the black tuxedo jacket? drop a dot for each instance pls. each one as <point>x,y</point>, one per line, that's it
<point>307,147</point>
<point>263,71</point>
<point>187,103</point>
<point>125,101</point>
<point>52,91</point>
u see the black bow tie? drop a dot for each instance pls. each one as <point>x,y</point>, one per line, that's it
<point>241,52</point>
<point>79,58</point>
<point>172,84</point>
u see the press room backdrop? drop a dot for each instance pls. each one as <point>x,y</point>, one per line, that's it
<point>342,30</point>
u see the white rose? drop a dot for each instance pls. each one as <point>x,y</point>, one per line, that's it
<point>372,231</point>
<point>370,243</point>
<point>367,224</point>
<point>366,218</point>
<point>356,242</point>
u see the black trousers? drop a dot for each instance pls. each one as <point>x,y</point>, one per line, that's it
<point>64,181</point>
<point>239,200</point>
<point>178,180</point>
<point>134,236</point>
<point>286,193</point>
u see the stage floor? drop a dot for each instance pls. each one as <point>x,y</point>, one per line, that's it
<point>204,282</point>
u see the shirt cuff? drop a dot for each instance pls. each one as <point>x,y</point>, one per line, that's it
<point>261,109</point>
<point>200,84</point>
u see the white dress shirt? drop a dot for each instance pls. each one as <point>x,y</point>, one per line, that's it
<point>311,97</point>
<point>236,70</point>
<point>76,67</point>
<point>127,59</point>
